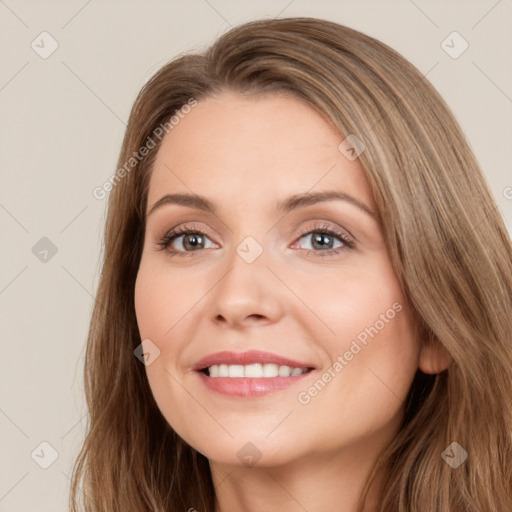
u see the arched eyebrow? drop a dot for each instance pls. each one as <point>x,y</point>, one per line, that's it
<point>291,203</point>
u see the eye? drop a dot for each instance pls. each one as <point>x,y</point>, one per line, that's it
<point>323,240</point>
<point>193,240</point>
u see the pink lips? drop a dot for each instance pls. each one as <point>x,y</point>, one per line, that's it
<point>249,357</point>
<point>247,387</point>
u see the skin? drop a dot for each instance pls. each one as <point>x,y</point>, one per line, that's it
<point>245,153</point>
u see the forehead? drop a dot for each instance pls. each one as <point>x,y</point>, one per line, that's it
<point>237,148</point>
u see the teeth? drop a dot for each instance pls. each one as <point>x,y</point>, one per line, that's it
<point>253,370</point>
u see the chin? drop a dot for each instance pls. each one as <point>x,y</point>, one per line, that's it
<point>248,449</point>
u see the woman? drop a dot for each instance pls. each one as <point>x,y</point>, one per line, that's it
<point>305,299</point>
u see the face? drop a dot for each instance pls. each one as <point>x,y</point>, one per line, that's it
<point>264,285</point>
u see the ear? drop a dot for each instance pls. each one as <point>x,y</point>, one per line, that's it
<point>434,358</point>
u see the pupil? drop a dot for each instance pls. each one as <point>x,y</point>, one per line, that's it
<point>317,239</point>
<point>192,240</point>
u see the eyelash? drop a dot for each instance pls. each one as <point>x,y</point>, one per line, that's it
<point>172,235</point>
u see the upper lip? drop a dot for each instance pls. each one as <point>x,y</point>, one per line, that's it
<point>249,357</point>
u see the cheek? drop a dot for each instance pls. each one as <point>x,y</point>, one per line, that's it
<point>166,307</point>
<point>162,298</point>
<point>152,304</point>
<point>352,300</point>
<point>368,330</point>
<point>161,304</point>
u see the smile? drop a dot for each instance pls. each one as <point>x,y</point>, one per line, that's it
<point>250,374</point>
<point>255,370</point>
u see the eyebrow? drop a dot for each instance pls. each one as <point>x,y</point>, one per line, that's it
<point>291,203</point>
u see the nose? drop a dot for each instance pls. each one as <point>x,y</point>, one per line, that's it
<point>247,294</point>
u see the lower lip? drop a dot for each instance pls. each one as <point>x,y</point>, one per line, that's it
<point>249,387</point>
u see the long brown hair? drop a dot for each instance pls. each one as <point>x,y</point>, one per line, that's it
<point>448,244</point>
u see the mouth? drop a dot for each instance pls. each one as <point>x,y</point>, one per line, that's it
<point>253,371</point>
<point>249,374</point>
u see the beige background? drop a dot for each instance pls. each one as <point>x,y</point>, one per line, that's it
<point>62,122</point>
